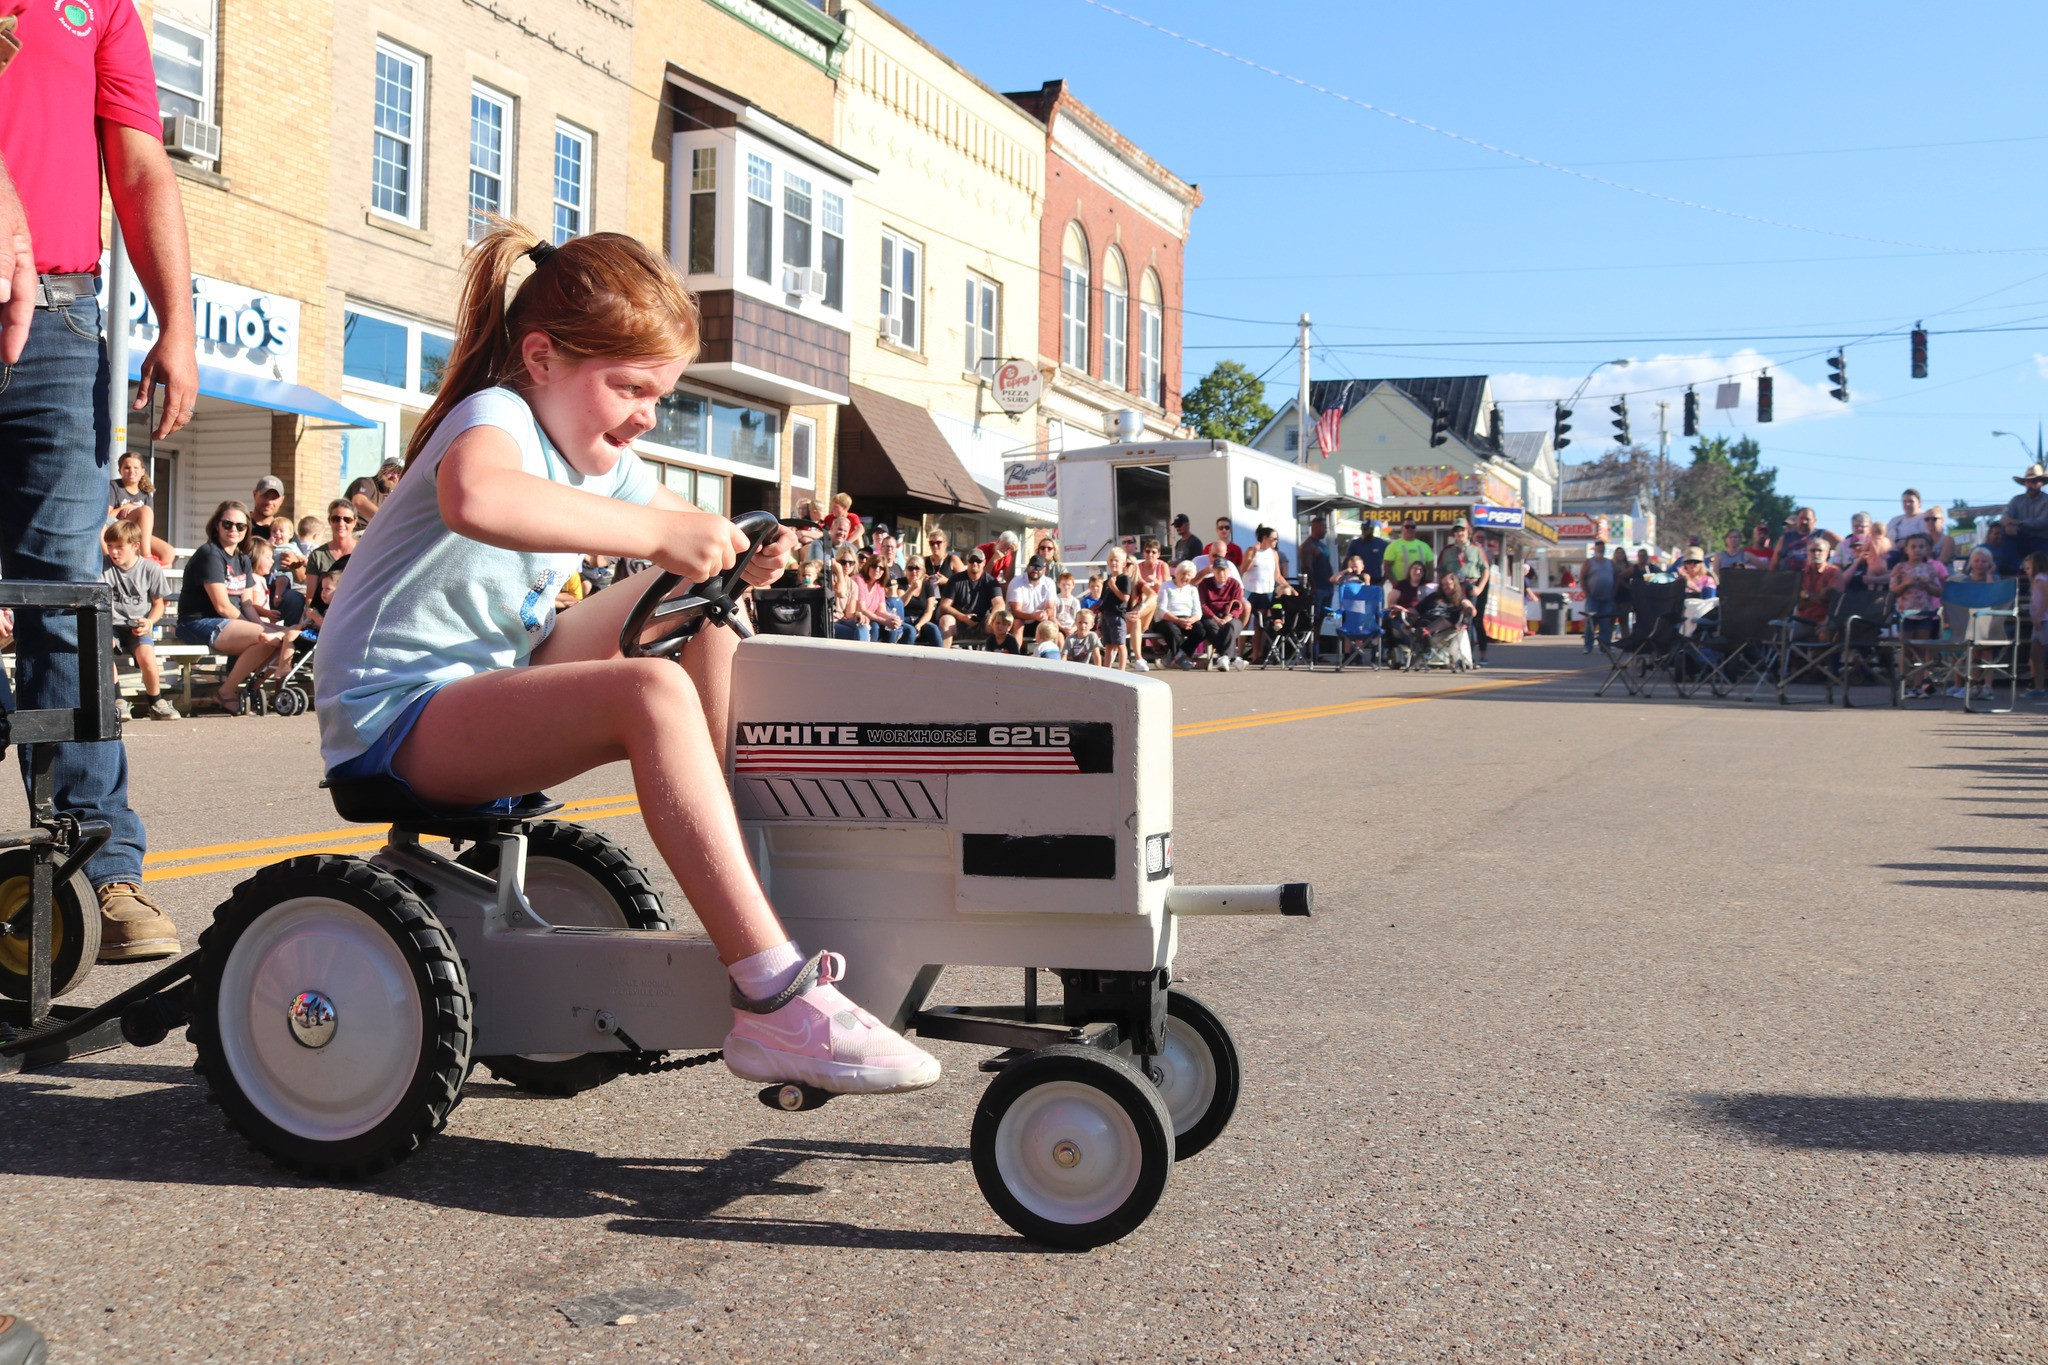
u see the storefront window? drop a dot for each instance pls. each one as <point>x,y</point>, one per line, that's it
<point>745,435</point>
<point>373,350</point>
<point>679,422</point>
<point>434,353</point>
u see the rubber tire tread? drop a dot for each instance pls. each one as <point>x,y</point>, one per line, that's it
<point>80,910</point>
<point>1121,1082</point>
<point>1229,1073</point>
<point>638,903</point>
<point>448,1025</point>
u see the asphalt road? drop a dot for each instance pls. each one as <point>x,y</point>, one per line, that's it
<point>1623,1029</point>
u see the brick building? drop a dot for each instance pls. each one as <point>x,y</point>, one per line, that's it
<point>240,139</point>
<point>946,242</point>
<point>441,110</point>
<point>733,171</point>
<point>1112,251</point>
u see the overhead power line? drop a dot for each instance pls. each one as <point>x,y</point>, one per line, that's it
<point>1551,165</point>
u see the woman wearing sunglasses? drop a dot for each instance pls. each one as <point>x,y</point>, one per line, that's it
<point>221,605</point>
<point>324,565</point>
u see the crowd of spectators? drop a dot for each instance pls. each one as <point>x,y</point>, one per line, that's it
<point>1911,556</point>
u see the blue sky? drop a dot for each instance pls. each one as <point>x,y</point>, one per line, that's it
<point>1392,236</point>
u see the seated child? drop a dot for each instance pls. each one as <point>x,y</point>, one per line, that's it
<point>1092,598</point>
<point>446,639</point>
<point>139,590</point>
<point>1084,646</point>
<point>1047,644</point>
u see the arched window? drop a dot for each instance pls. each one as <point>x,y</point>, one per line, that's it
<point>1116,321</point>
<point>1151,340</point>
<point>1074,299</point>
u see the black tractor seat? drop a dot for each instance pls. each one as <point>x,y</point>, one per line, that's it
<point>384,801</point>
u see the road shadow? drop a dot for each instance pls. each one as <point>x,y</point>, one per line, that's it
<point>1885,1123</point>
<point>169,1135</point>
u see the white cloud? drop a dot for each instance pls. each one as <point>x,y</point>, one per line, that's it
<point>1665,377</point>
<point>2041,364</point>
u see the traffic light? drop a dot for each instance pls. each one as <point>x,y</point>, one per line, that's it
<point>1763,398</point>
<point>1919,352</point>
<point>1838,377</point>
<point>1620,411</point>
<point>1439,426</point>
<point>1558,439</point>
<point>1692,413</point>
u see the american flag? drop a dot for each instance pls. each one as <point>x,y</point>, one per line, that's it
<point>1326,431</point>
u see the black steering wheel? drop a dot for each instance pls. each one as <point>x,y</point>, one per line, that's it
<point>681,616</point>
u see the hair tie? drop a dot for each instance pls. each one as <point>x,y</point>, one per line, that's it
<point>540,251</point>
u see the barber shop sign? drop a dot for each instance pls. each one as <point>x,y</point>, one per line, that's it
<point>239,329</point>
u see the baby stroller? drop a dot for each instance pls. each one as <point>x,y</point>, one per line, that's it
<point>292,693</point>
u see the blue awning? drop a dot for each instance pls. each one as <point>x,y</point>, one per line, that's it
<point>257,392</point>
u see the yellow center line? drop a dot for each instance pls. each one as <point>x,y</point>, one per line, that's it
<point>171,864</point>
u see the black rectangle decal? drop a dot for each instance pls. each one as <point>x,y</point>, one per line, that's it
<point>1062,857</point>
<point>923,747</point>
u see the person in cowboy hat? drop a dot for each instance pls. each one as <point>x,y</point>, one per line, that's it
<point>2026,516</point>
<point>1696,575</point>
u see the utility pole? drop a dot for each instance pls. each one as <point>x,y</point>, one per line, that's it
<point>1304,420</point>
<point>1663,471</point>
<point>114,316</point>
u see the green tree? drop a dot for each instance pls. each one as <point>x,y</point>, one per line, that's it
<point>1762,502</point>
<point>1228,405</point>
<point>1709,497</point>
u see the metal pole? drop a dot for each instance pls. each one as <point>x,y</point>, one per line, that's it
<point>114,316</point>
<point>1304,421</point>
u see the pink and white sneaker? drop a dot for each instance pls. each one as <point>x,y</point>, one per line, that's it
<point>809,1032</point>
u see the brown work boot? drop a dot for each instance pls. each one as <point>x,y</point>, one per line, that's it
<point>132,929</point>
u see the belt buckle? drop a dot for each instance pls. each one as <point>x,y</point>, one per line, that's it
<point>56,293</point>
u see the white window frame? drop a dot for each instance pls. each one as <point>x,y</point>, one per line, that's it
<point>1074,286</point>
<point>206,63</point>
<point>586,142</point>
<point>795,187</point>
<point>760,189</point>
<point>1151,349</point>
<point>414,140</point>
<point>832,226</point>
<point>410,394</point>
<point>508,156</point>
<point>1116,323</point>
<point>808,476</point>
<point>984,344</point>
<point>897,251</point>
<point>703,185</point>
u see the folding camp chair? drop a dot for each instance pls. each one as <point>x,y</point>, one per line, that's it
<point>1357,613</point>
<point>1290,632</point>
<point>1862,620</point>
<point>1980,644</point>
<point>1808,658</point>
<point>1738,639</point>
<point>1658,608</point>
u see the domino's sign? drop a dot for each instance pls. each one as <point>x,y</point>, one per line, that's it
<point>238,328</point>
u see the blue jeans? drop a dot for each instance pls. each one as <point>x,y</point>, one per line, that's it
<point>849,630</point>
<point>53,501</point>
<point>1600,620</point>
<point>929,634</point>
<point>891,635</point>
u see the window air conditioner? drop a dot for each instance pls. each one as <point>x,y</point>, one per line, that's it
<point>816,285</point>
<point>192,138</point>
<point>794,278</point>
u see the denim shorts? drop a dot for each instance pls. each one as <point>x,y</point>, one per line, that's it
<point>203,630</point>
<point>125,640</point>
<point>376,760</point>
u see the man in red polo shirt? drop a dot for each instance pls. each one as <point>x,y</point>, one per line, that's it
<point>81,93</point>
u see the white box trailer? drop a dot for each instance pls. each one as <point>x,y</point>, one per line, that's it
<point>1134,489</point>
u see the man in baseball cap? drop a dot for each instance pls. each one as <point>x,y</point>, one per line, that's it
<point>1186,545</point>
<point>265,503</point>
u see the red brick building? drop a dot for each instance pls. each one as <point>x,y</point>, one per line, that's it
<point>1113,251</point>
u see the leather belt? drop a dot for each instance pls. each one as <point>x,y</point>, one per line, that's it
<point>61,291</point>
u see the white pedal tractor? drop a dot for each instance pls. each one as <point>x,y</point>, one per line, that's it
<point>912,809</point>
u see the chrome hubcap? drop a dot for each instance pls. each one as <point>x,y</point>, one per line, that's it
<point>311,1016</point>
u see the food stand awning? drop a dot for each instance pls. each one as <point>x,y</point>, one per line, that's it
<point>890,449</point>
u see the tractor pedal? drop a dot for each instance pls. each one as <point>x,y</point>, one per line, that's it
<point>794,1097</point>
